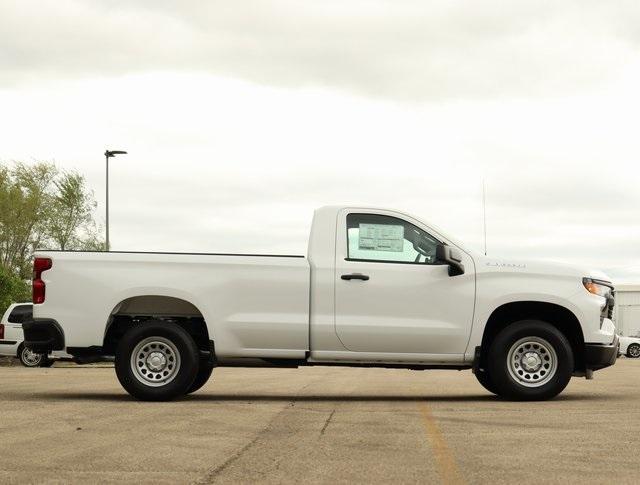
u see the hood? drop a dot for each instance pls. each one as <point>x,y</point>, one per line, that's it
<point>486,264</point>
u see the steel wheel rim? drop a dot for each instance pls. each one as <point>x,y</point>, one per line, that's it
<point>155,361</point>
<point>532,361</point>
<point>634,351</point>
<point>30,357</point>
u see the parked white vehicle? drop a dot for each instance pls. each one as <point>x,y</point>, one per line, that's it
<point>630,346</point>
<point>12,336</point>
<point>378,288</point>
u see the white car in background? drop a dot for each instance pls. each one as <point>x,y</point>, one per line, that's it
<point>12,336</point>
<point>630,346</point>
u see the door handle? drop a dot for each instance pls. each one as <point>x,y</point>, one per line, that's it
<point>355,276</point>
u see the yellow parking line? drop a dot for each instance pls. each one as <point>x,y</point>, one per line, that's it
<point>445,462</point>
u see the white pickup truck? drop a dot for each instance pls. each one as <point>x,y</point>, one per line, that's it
<point>378,288</point>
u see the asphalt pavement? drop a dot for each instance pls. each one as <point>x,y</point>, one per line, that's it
<point>316,425</point>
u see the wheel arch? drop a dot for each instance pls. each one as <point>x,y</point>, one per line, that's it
<point>557,315</point>
<point>136,309</point>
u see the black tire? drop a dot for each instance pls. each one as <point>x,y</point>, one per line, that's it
<point>485,380</point>
<point>204,373</point>
<point>528,339</point>
<point>165,365</point>
<point>633,351</point>
<point>28,358</point>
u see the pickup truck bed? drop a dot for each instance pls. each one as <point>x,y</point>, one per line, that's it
<point>260,302</point>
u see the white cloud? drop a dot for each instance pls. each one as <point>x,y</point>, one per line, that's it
<point>240,121</point>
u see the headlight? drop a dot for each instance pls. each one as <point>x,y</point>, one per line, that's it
<point>597,287</point>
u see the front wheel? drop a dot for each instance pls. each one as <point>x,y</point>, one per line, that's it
<point>530,360</point>
<point>29,358</point>
<point>485,381</point>
<point>157,361</point>
<point>633,351</point>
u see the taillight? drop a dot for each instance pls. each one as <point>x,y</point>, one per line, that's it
<point>39,265</point>
<point>1,331</point>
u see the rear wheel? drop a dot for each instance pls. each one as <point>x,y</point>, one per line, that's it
<point>633,351</point>
<point>29,358</point>
<point>204,373</point>
<point>530,360</point>
<point>157,361</point>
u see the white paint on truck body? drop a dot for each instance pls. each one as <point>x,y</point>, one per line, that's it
<point>296,307</point>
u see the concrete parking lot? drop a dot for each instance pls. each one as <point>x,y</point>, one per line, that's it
<point>316,425</point>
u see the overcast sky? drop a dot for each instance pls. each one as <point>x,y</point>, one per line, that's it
<point>242,117</point>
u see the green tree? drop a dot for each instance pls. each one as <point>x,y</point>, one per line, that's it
<point>25,202</point>
<point>41,208</point>
<point>71,223</point>
<point>12,289</point>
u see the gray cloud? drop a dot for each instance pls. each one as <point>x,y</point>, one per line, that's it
<point>402,50</point>
<point>538,98</point>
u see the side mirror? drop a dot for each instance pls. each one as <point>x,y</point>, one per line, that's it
<point>452,257</point>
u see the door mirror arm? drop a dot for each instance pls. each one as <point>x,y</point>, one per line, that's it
<point>452,257</point>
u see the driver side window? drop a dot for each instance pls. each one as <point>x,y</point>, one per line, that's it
<point>374,237</point>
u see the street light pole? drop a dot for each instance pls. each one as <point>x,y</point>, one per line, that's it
<point>107,155</point>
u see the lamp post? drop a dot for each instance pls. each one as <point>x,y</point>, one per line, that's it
<point>107,155</point>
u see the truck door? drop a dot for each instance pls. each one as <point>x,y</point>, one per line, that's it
<point>392,295</point>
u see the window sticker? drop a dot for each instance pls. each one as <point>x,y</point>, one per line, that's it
<point>381,237</point>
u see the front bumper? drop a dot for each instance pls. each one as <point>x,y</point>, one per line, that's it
<point>43,335</point>
<point>599,356</point>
